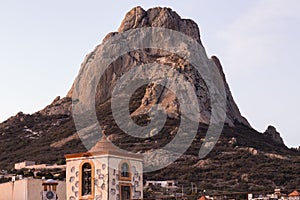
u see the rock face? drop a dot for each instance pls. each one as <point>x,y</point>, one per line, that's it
<point>159,17</point>
<point>58,107</point>
<point>155,93</point>
<point>273,134</point>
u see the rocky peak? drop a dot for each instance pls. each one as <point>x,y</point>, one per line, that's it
<point>58,107</point>
<point>159,17</point>
<point>273,134</point>
<point>154,93</point>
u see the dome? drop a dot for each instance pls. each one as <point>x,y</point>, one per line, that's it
<point>104,145</point>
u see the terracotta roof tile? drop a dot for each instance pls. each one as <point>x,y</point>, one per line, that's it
<point>294,194</point>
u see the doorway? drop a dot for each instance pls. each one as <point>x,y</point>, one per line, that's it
<point>125,192</point>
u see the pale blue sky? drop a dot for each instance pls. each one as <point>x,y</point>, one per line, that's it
<point>42,44</point>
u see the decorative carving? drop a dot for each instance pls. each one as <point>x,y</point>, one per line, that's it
<point>99,197</point>
<point>96,182</point>
<point>72,169</point>
<point>103,166</point>
<point>72,178</point>
<point>101,176</point>
<point>113,191</point>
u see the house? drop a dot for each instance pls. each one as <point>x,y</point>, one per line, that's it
<point>32,165</point>
<point>164,184</point>
<point>295,195</point>
<point>24,164</point>
<point>202,198</point>
<point>32,189</point>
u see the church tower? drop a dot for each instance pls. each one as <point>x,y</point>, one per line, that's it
<point>104,173</point>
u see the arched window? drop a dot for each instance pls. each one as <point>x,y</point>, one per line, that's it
<point>125,170</point>
<point>86,179</point>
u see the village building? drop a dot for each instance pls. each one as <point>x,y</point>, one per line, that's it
<point>104,172</point>
<point>163,184</point>
<point>32,165</point>
<point>24,164</point>
<point>295,195</point>
<point>33,189</point>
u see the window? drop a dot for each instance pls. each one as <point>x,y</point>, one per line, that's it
<point>86,179</point>
<point>125,170</point>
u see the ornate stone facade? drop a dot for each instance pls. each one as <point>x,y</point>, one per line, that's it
<point>103,173</point>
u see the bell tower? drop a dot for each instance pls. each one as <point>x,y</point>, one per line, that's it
<point>104,172</point>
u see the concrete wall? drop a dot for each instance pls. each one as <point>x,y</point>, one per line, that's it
<point>45,166</point>
<point>24,164</point>
<point>31,165</point>
<point>28,189</point>
<point>294,198</point>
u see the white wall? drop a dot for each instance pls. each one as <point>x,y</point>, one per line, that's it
<point>104,175</point>
<point>28,189</point>
<point>72,176</point>
<point>24,164</point>
<point>136,170</point>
